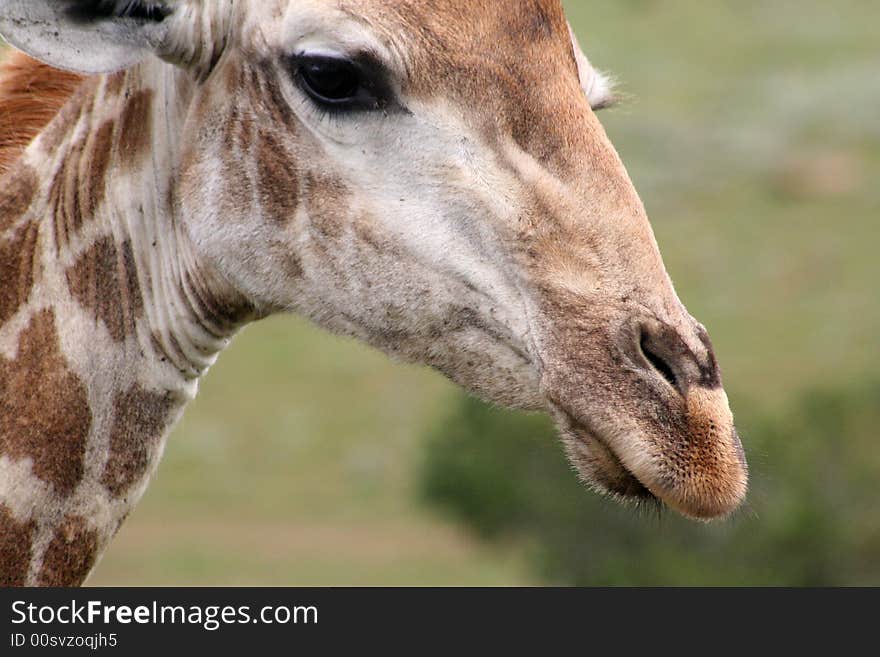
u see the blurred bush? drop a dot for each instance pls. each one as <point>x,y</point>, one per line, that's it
<point>811,519</point>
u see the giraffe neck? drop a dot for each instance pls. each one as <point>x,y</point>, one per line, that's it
<point>107,321</point>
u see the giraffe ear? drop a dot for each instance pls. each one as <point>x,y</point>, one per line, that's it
<point>85,36</point>
<point>598,86</point>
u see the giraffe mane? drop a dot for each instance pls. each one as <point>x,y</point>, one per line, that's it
<point>31,94</point>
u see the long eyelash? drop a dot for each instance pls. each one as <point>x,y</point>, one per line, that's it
<point>319,113</point>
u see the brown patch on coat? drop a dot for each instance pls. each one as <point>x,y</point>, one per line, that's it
<point>277,180</point>
<point>94,182</point>
<point>136,128</point>
<point>80,184</point>
<point>78,109</point>
<point>18,252</point>
<point>17,267</point>
<point>245,132</point>
<point>64,197</point>
<point>238,124</point>
<point>104,281</point>
<point>365,231</point>
<point>44,408</point>
<point>232,133</point>
<point>129,284</point>
<point>71,555</point>
<point>17,192</point>
<point>139,421</point>
<point>16,541</point>
<point>262,84</point>
<point>31,95</point>
<point>327,201</point>
<point>114,83</point>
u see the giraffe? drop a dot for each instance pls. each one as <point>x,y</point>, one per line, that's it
<point>428,178</point>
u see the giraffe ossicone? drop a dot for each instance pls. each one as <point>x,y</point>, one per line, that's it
<point>429,178</point>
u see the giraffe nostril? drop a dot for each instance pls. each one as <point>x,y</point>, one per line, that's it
<point>656,359</point>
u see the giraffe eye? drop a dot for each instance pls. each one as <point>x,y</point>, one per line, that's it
<point>330,80</point>
<point>338,83</point>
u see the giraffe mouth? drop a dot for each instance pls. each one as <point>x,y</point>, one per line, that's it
<point>608,472</point>
<point>600,467</point>
<point>658,483</point>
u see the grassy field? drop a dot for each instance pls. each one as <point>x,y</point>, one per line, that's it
<point>752,134</point>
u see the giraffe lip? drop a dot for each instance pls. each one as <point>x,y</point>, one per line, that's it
<point>607,470</point>
<point>608,473</point>
<point>619,480</point>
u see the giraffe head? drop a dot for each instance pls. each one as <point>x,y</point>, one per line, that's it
<point>430,178</point>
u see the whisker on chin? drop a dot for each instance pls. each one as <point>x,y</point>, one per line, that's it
<point>653,506</point>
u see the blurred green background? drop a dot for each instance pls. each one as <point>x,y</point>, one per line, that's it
<point>752,132</point>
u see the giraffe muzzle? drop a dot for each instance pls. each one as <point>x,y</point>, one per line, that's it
<point>643,415</point>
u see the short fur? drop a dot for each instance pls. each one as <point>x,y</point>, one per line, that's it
<point>31,94</point>
<point>480,223</point>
